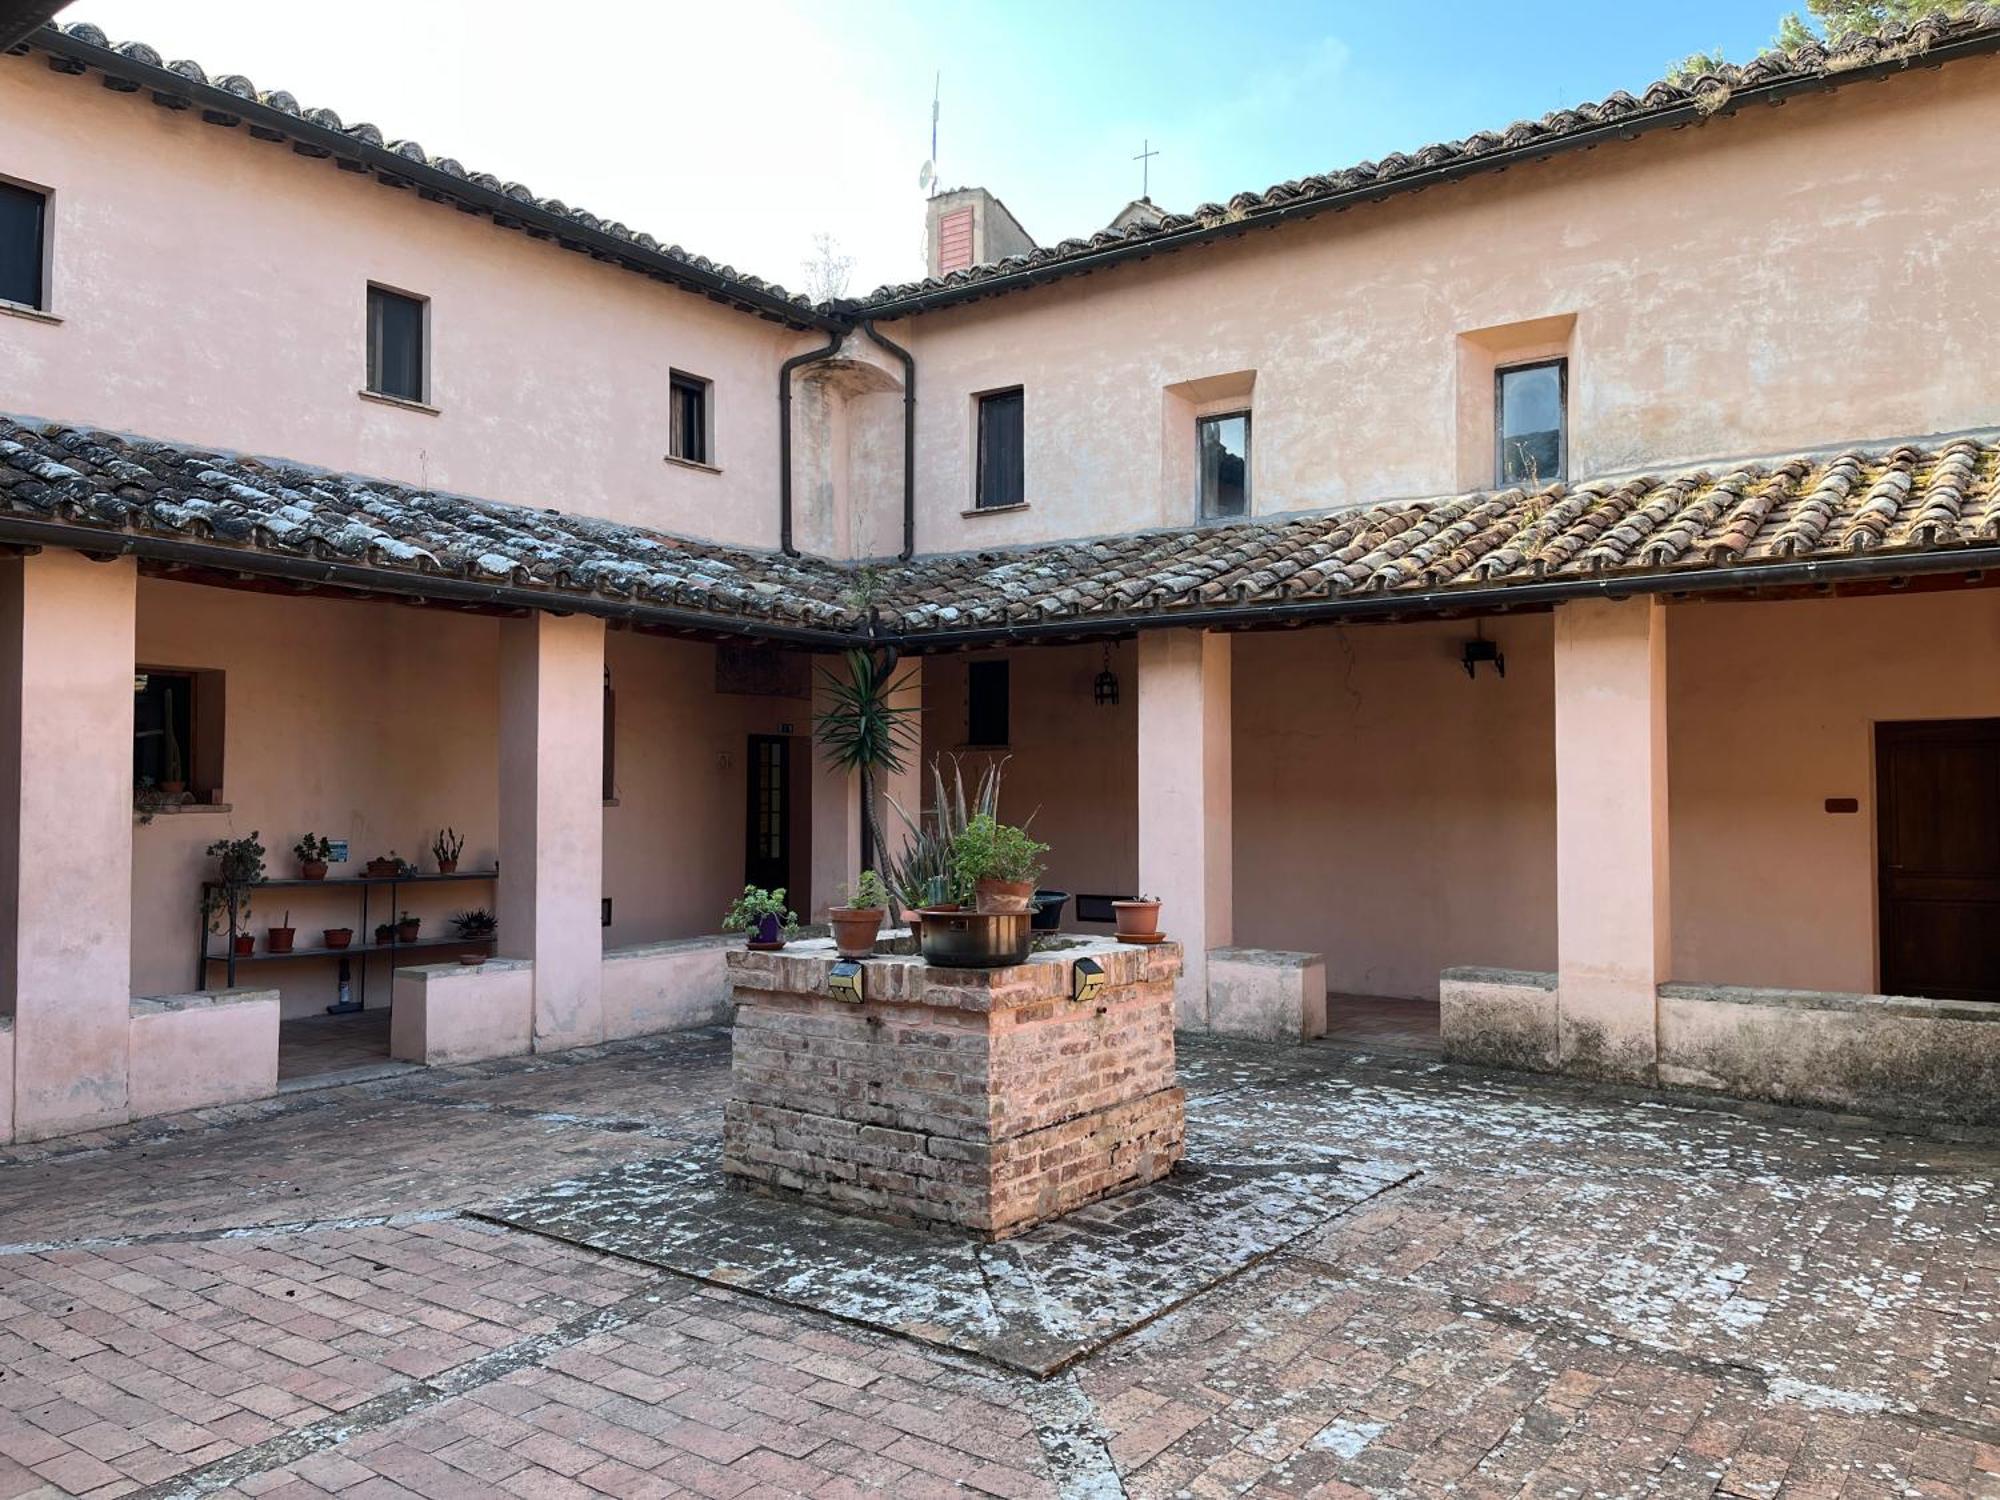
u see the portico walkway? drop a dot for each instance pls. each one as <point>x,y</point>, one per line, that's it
<point>1579,1290</point>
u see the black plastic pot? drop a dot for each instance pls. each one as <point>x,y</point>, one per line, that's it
<point>1049,910</point>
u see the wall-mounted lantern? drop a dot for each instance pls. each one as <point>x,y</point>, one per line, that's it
<point>1104,689</point>
<point>1478,650</point>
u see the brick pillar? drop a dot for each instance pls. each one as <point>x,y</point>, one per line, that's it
<point>1612,926</point>
<point>66,861</point>
<point>1186,837</point>
<point>552,819</point>
<point>836,800</point>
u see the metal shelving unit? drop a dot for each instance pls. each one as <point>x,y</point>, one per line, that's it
<point>364,886</point>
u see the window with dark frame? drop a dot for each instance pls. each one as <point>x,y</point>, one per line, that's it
<point>1531,423</point>
<point>1222,447</point>
<point>1000,458</point>
<point>23,244</point>
<point>395,344</point>
<point>163,730</point>
<point>986,703</point>
<point>687,438</point>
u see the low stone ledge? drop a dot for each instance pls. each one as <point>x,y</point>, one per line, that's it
<point>6,1079</point>
<point>1913,1007</point>
<point>666,986</point>
<point>457,1013</point>
<point>199,1050</point>
<point>1499,1018</point>
<point>1266,994</point>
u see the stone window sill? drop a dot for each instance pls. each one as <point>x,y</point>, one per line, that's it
<point>689,463</point>
<point>407,405</point>
<point>32,314</point>
<point>183,809</point>
<point>995,510</point>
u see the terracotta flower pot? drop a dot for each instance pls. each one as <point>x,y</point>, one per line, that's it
<point>246,944</point>
<point>1004,896</point>
<point>447,867</point>
<point>338,937</point>
<point>406,932</point>
<point>1139,918</point>
<point>173,788</point>
<point>279,939</point>
<point>855,929</point>
<point>386,933</point>
<point>313,869</point>
<point>383,869</point>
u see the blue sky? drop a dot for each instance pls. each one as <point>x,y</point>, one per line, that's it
<point>742,130</point>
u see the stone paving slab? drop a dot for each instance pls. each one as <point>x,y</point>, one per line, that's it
<point>1033,1303</point>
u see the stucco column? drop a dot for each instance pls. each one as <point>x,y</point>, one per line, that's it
<point>1612,929</point>
<point>836,798</point>
<point>66,868</point>
<point>1186,835</point>
<point>552,819</point>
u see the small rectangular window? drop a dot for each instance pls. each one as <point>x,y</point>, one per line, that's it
<point>23,232</point>
<point>1530,423</point>
<point>1000,460</point>
<point>395,344</point>
<point>986,703</point>
<point>1223,448</point>
<point>688,421</point>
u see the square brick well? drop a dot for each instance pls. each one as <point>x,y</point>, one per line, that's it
<point>988,1100</point>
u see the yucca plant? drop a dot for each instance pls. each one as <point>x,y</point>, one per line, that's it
<point>863,731</point>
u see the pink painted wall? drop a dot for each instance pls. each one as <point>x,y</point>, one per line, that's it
<point>1767,248</point>
<point>220,1049</point>
<point>549,370</point>
<point>1390,814</point>
<point>369,722</point>
<point>1771,711</point>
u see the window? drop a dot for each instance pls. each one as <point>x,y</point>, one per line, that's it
<point>1529,420</point>
<point>986,703</point>
<point>177,730</point>
<point>396,344</point>
<point>23,230</point>
<point>688,436</point>
<point>1223,448</point>
<point>1000,474</point>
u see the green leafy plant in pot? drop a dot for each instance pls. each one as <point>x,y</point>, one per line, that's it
<point>312,853</point>
<point>998,863</point>
<point>225,905</point>
<point>857,918</point>
<point>762,917</point>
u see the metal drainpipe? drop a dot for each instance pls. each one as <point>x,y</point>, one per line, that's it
<point>909,435</point>
<point>811,356</point>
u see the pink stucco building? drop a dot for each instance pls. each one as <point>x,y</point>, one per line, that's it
<point>374,494</point>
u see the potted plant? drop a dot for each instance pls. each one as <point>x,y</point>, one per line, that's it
<point>313,852</point>
<point>337,937</point>
<point>406,928</point>
<point>279,939</point>
<point>922,875</point>
<point>446,848</point>
<point>173,778</point>
<point>1138,918</point>
<point>386,867</point>
<point>857,920</point>
<point>475,925</point>
<point>226,902</point>
<point>762,917</point>
<point>385,934</point>
<point>862,730</point>
<point>998,863</point>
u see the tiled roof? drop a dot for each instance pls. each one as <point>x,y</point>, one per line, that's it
<point>1976,28</point>
<point>1904,509</point>
<point>273,114</point>
<point>262,508</point>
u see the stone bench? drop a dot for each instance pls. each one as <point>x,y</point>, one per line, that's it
<point>455,1013</point>
<point>666,986</point>
<point>203,1049</point>
<point>1499,1018</point>
<point>1266,994</point>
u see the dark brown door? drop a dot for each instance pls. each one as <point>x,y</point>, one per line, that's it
<point>1938,795</point>
<point>767,851</point>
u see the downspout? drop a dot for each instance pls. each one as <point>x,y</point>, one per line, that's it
<point>909,435</point>
<point>811,356</point>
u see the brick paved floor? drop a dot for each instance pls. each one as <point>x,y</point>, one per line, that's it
<point>1580,1293</point>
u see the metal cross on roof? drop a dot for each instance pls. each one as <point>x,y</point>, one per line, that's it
<point>1144,159</point>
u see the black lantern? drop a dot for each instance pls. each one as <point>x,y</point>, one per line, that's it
<point>1478,650</point>
<point>1104,690</point>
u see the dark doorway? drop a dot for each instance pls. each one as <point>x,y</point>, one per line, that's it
<point>1938,795</point>
<point>767,858</point>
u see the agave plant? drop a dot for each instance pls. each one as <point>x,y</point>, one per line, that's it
<point>929,836</point>
<point>863,731</point>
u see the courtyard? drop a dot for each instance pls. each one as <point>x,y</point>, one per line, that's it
<point>1408,1278</point>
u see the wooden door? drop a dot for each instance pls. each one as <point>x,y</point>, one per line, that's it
<point>767,859</point>
<point>1938,801</point>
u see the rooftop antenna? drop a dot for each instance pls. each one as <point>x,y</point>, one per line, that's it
<point>1145,161</point>
<point>927,174</point>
